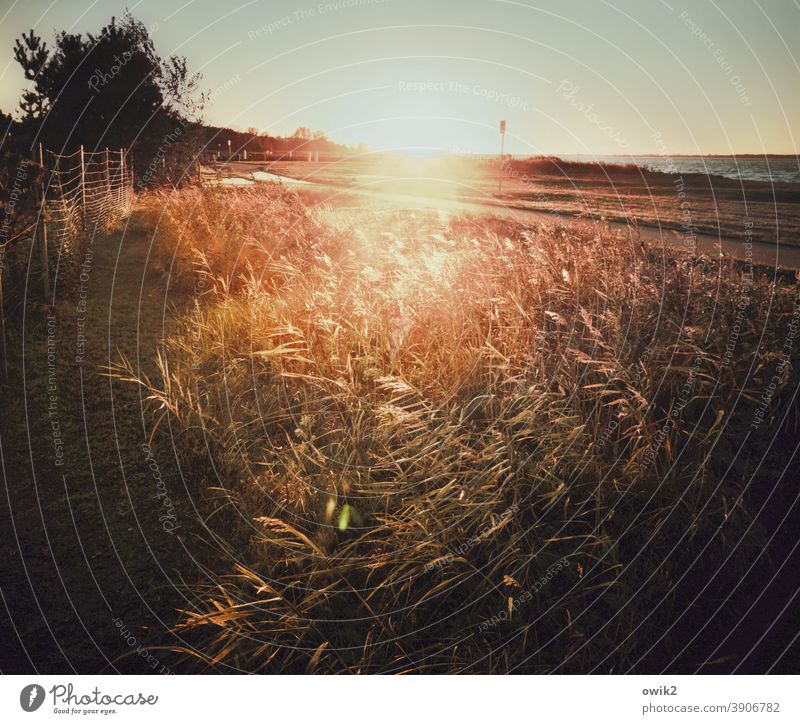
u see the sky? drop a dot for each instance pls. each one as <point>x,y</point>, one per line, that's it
<point>569,76</point>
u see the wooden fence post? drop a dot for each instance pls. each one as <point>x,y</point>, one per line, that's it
<point>83,187</point>
<point>41,228</point>
<point>118,184</point>
<point>108,177</point>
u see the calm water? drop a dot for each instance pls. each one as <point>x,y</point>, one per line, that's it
<point>760,168</point>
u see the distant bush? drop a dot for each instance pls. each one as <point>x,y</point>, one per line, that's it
<point>574,169</point>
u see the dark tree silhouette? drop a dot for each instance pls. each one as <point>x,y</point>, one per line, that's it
<point>109,89</point>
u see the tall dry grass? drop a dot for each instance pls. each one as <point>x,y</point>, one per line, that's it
<point>462,445</point>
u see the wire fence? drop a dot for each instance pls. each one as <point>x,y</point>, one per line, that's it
<point>59,209</point>
<point>82,194</point>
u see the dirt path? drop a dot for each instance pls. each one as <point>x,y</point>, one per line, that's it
<point>94,526</point>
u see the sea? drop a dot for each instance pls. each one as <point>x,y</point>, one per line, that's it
<point>749,168</point>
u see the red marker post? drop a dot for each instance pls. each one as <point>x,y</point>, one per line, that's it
<point>502,146</point>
